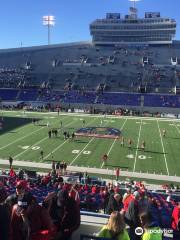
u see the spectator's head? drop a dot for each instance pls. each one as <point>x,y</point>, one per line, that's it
<point>25,205</point>
<point>75,186</point>
<point>117,190</point>
<point>116,223</point>
<point>62,197</point>
<point>136,195</point>
<point>3,193</point>
<point>168,199</point>
<point>145,219</point>
<point>117,197</point>
<point>128,190</point>
<point>21,187</point>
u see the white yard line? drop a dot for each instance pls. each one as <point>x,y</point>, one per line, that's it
<point>98,116</point>
<point>163,148</point>
<point>45,166</point>
<point>82,150</point>
<point>21,138</point>
<point>19,154</point>
<point>112,145</point>
<point>176,127</point>
<point>135,160</point>
<point>58,147</point>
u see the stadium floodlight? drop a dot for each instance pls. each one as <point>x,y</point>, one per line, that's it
<point>134,2</point>
<point>48,21</point>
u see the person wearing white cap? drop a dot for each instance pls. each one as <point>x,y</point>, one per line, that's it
<point>132,216</point>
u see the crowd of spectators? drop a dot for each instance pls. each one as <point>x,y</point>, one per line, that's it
<point>47,207</point>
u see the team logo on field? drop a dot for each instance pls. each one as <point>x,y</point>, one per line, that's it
<point>99,132</point>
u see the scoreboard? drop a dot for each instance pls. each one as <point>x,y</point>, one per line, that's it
<point>152,15</point>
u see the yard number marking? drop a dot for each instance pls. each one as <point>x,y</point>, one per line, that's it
<point>84,152</point>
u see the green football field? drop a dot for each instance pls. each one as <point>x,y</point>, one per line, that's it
<point>24,141</point>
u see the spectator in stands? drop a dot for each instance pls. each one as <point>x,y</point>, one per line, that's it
<point>115,229</point>
<point>151,230</point>
<point>4,215</point>
<point>106,196</point>
<point>115,203</point>
<point>20,174</point>
<point>143,203</point>
<point>127,198</point>
<point>73,193</point>
<point>64,212</point>
<point>12,173</point>
<point>20,194</point>
<point>176,222</point>
<point>132,216</point>
<point>29,220</point>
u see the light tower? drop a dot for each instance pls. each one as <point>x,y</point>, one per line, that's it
<point>49,21</point>
<point>133,10</point>
<point>134,2</point>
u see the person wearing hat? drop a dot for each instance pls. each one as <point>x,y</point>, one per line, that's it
<point>132,216</point>
<point>29,220</point>
<point>20,194</point>
<point>64,212</point>
<point>4,215</point>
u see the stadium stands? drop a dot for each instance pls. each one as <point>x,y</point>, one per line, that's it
<point>82,73</point>
<point>86,97</point>
<point>86,66</point>
<point>93,198</point>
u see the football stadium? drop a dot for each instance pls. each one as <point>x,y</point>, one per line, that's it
<point>90,133</point>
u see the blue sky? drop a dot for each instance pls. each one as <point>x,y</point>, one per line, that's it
<point>21,20</point>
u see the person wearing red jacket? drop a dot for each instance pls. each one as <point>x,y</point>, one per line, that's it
<point>12,172</point>
<point>4,214</point>
<point>64,212</point>
<point>127,198</point>
<point>117,172</point>
<point>29,220</point>
<point>176,222</point>
<point>73,193</point>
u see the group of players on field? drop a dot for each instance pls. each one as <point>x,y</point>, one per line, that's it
<point>104,158</point>
<point>142,146</point>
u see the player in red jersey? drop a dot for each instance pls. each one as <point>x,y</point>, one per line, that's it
<point>104,158</point>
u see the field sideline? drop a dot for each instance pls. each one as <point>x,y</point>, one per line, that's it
<point>24,141</point>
